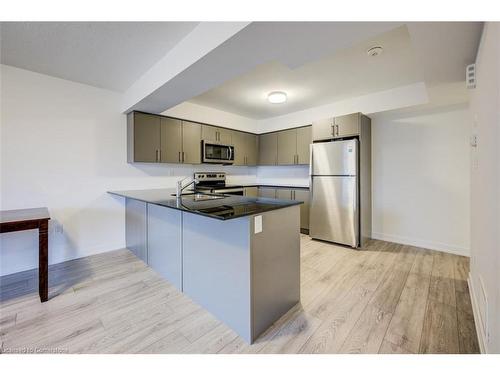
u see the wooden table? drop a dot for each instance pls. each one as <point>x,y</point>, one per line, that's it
<point>26,219</point>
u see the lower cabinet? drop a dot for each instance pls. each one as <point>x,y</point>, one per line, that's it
<point>164,243</point>
<point>303,195</point>
<point>252,191</point>
<point>266,192</point>
<point>295,194</point>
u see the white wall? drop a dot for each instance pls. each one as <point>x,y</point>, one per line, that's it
<point>485,191</point>
<point>420,178</point>
<point>63,145</point>
<point>199,113</point>
<point>296,175</point>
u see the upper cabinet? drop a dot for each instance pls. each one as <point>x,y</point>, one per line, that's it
<point>348,125</point>
<point>191,142</point>
<point>286,147</point>
<point>293,146</point>
<point>158,139</point>
<point>245,148</point>
<point>143,133</point>
<point>171,140</point>
<point>268,149</point>
<point>337,127</point>
<point>216,134</point>
<point>304,140</point>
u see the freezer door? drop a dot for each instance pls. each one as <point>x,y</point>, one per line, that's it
<point>334,210</point>
<point>335,158</point>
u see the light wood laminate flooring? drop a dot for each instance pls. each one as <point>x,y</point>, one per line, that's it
<point>384,298</point>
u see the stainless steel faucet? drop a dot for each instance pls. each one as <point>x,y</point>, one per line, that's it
<point>181,187</point>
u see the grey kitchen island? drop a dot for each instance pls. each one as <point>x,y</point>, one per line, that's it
<point>238,257</point>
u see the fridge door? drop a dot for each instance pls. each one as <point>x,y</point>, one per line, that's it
<point>335,158</point>
<point>334,209</point>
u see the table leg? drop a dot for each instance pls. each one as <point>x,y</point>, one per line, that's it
<point>43,260</point>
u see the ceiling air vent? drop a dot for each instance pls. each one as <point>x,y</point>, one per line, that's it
<point>470,76</point>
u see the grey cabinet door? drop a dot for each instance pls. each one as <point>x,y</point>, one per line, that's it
<point>287,147</point>
<point>191,142</point>
<point>135,228</point>
<point>347,125</point>
<point>304,139</point>
<point>266,192</point>
<point>225,136</point>
<point>252,149</point>
<point>322,129</point>
<point>268,149</point>
<point>283,193</point>
<point>240,148</point>
<point>164,243</point>
<point>146,138</point>
<point>209,133</point>
<point>303,195</point>
<point>251,191</point>
<point>171,140</point>
<point>216,134</point>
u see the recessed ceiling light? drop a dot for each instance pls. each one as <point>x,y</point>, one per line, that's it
<point>277,97</point>
<point>375,51</point>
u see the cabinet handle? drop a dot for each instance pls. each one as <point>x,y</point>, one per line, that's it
<point>157,156</point>
<point>183,156</point>
<point>333,130</point>
<point>179,156</point>
<point>337,130</point>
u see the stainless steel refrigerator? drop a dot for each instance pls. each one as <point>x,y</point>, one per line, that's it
<point>335,192</point>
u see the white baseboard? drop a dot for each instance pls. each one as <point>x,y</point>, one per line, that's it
<point>481,337</point>
<point>457,250</point>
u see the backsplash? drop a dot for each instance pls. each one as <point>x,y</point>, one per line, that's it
<point>283,175</point>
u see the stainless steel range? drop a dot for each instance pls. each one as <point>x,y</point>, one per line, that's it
<point>215,182</point>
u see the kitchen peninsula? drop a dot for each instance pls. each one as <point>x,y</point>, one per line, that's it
<point>238,257</point>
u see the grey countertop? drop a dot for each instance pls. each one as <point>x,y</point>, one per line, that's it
<point>222,207</point>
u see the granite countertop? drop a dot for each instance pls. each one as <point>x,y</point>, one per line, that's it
<point>222,207</point>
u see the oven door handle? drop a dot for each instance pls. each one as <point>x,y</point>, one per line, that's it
<point>228,191</point>
<point>230,152</point>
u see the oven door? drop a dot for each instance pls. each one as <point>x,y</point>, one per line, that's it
<point>229,191</point>
<point>217,153</point>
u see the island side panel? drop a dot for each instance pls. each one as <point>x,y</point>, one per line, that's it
<point>216,268</point>
<point>164,228</point>
<point>275,266</point>
<point>136,228</point>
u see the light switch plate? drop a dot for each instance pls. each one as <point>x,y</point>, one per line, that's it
<point>257,221</point>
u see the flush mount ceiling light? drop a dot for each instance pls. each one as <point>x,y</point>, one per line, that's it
<point>375,51</point>
<point>276,97</point>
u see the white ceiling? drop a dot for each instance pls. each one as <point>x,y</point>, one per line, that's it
<point>233,68</point>
<point>346,73</point>
<point>110,55</point>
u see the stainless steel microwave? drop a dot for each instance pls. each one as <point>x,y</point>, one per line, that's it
<point>216,153</point>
